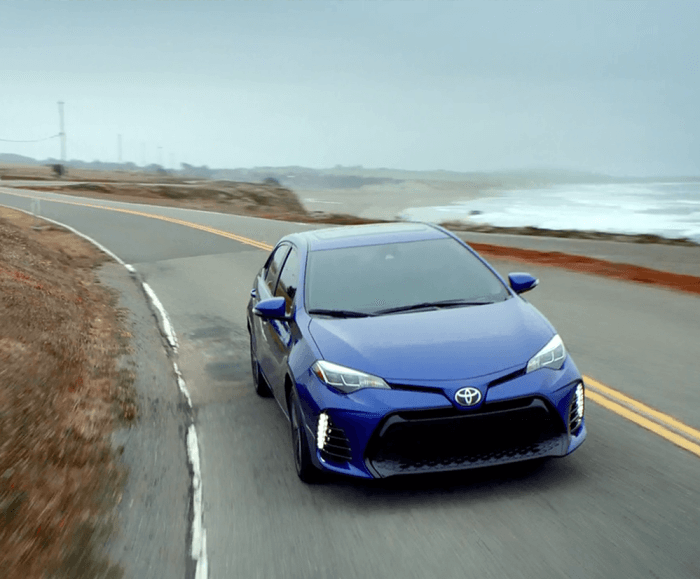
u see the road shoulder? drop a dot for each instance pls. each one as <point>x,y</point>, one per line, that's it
<point>152,536</point>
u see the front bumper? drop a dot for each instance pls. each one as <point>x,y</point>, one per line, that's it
<point>429,440</point>
<point>381,433</point>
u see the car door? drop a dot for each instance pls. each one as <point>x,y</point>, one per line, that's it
<point>264,289</point>
<point>284,331</point>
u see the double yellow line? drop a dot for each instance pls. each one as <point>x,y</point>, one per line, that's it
<point>657,422</point>
<point>645,416</point>
<point>233,236</point>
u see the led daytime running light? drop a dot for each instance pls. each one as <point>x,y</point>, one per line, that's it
<point>322,431</point>
<point>580,401</point>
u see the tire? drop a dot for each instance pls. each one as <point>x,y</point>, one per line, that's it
<point>261,387</point>
<point>305,468</point>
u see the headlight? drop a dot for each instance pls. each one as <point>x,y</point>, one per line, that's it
<point>345,379</point>
<point>551,356</point>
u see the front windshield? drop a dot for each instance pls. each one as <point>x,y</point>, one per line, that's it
<point>372,278</point>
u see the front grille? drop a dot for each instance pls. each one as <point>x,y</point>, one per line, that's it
<point>452,412</point>
<point>422,441</point>
<point>507,377</point>
<point>337,445</point>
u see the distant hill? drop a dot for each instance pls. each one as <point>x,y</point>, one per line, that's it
<point>342,177</point>
<point>11,159</point>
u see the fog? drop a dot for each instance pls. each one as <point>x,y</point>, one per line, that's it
<point>609,87</point>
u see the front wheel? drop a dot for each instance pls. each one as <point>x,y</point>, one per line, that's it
<point>305,468</point>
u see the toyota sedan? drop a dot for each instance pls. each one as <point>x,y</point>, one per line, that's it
<point>396,349</point>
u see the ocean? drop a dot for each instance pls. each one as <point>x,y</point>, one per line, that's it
<point>666,209</point>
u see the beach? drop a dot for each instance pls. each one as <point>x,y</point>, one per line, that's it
<point>666,209</point>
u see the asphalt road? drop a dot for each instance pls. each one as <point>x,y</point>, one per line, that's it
<point>627,504</point>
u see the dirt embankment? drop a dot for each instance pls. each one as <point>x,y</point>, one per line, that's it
<point>593,266</point>
<point>257,199</point>
<point>266,200</point>
<point>60,397</point>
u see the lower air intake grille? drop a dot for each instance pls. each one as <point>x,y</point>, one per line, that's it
<point>337,446</point>
<point>437,443</point>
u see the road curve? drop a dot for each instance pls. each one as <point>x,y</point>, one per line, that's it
<point>627,504</point>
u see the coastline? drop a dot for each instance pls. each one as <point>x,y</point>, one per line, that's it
<point>644,238</point>
<point>665,212</point>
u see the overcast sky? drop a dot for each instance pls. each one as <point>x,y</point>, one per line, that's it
<point>468,86</point>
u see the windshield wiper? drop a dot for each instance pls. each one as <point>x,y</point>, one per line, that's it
<point>439,304</point>
<point>340,313</point>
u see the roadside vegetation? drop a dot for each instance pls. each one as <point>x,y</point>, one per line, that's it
<point>61,396</point>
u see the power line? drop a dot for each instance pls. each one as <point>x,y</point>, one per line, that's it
<point>30,141</point>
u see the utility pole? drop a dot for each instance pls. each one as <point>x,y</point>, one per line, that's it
<point>119,147</point>
<point>143,154</point>
<point>160,156</point>
<point>62,134</point>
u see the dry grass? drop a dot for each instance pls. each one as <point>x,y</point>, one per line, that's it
<point>60,394</point>
<point>45,173</point>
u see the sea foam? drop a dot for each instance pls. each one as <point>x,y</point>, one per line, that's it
<point>666,209</point>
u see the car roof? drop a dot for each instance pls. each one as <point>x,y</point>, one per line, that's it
<point>371,234</point>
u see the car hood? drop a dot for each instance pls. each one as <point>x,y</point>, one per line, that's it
<point>447,344</point>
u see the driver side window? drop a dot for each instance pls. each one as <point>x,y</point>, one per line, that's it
<point>289,280</point>
<point>274,265</point>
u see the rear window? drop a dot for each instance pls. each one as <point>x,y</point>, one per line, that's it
<point>374,277</point>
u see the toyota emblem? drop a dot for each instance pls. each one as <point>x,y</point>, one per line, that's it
<point>468,396</point>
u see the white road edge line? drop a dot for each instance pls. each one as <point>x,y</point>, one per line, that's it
<point>199,533</point>
<point>181,384</point>
<point>167,326</point>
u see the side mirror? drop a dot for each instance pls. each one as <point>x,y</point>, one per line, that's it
<point>522,282</point>
<point>272,308</point>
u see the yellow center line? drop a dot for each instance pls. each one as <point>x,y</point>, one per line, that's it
<point>595,391</point>
<point>596,386</point>
<point>233,236</point>
<point>625,412</point>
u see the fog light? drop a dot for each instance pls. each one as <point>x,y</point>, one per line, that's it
<point>322,431</point>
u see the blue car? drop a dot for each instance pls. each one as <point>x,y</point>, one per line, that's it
<point>395,349</point>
